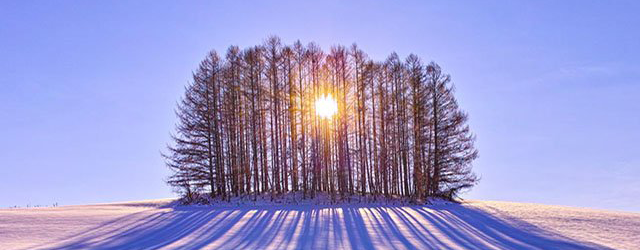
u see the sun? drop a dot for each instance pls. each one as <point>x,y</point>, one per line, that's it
<point>326,106</point>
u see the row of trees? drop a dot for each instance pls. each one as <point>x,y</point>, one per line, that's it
<point>247,124</point>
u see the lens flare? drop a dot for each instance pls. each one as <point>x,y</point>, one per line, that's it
<point>326,106</point>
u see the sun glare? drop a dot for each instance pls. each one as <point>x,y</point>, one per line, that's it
<point>326,106</point>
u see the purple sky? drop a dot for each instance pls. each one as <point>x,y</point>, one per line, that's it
<point>87,89</point>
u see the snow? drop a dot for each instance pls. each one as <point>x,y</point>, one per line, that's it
<point>162,224</point>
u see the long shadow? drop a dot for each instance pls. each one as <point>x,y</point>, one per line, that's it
<point>319,227</point>
<point>356,229</point>
<point>151,233</point>
<point>393,227</point>
<point>422,234</point>
<point>474,228</point>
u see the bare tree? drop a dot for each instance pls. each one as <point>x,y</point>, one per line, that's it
<point>453,144</point>
<point>247,124</point>
<point>195,155</point>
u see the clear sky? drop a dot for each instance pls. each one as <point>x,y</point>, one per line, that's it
<point>88,88</point>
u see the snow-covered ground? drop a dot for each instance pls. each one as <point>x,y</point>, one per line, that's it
<point>159,224</point>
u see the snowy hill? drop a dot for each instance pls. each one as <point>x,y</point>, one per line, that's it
<point>158,224</point>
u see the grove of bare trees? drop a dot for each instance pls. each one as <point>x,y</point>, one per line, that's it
<point>248,124</point>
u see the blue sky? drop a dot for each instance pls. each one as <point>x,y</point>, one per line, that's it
<point>87,89</point>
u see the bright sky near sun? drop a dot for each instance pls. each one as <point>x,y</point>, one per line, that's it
<point>88,88</point>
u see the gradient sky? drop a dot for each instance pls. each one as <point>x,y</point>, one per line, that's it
<point>88,88</point>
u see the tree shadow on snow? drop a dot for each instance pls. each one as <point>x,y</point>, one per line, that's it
<point>313,227</point>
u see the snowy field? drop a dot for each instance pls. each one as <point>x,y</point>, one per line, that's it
<point>158,224</point>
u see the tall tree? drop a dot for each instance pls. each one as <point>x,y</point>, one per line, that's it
<point>273,61</point>
<point>453,144</point>
<point>253,71</point>
<point>419,108</point>
<point>194,157</point>
<point>301,59</point>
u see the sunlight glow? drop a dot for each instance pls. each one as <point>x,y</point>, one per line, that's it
<point>326,106</point>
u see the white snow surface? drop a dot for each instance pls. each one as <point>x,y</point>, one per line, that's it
<point>162,224</point>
